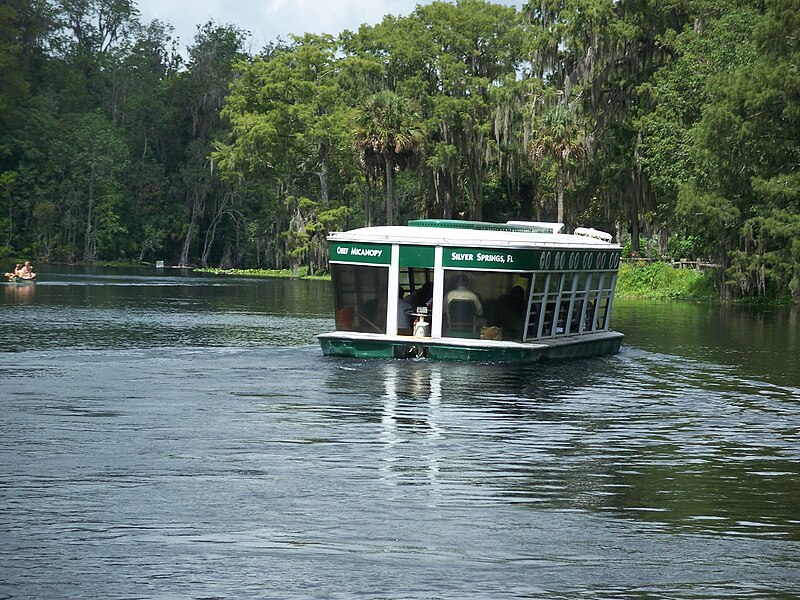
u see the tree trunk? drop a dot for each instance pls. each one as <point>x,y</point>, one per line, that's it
<point>324,183</point>
<point>477,198</point>
<point>663,242</point>
<point>448,201</point>
<point>560,193</point>
<point>87,245</point>
<point>367,202</point>
<point>634,214</point>
<point>211,235</point>
<point>525,200</point>
<point>187,242</point>
<point>390,190</point>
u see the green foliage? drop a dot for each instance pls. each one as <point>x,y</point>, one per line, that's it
<point>680,247</point>
<point>659,281</point>
<point>746,151</point>
<point>710,217</point>
<point>302,273</point>
<point>388,134</point>
<point>558,137</point>
<point>721,41</point>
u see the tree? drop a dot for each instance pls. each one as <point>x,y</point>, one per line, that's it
<point>676,97</point>
<point>676,118</point>
<point>745,151</point>
<point>388,131</point>
<point>557,136</point>
<point>476,47</point>
<point>201,95</point>
<point>289,134</point>
<point>91,157</point>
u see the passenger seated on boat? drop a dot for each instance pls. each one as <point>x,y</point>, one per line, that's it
<point>562,318</point>
<point>575,321</point>
<point>462,321</point>
<point>344,318</point>
<point>463,309</point>
<point>587,326</point>
<point>404,310</point>
<point>511,313</point>
<point>462,292</point>
<point>547,325</point>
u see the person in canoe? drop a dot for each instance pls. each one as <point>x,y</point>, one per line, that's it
<point>26,272</point>
<point>14,275</point>
<point>22,272</point>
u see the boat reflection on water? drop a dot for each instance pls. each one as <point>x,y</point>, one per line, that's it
<point>20,293</point>
<point>423,390</point>
<point>606,436</point>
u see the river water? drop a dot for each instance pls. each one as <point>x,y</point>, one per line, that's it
<point>169,435</point>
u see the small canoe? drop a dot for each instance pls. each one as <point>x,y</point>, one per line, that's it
<point>21,281</point>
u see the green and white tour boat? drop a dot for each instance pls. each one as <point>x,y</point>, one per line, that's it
<point>466,290</point>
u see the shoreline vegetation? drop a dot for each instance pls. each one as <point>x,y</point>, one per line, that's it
<point>653,281</point>
<point>660,281</point>
<point>302,273</point>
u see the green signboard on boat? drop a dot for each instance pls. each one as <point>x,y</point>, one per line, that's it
<point>529,260</point>
<point>365,254</point>
<point>487,259</point>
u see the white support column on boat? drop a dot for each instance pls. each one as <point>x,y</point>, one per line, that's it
<point>612,286</point>
<point>587,292</point>
<point>394,291</point>
<point>572,294</point>
<point>598,296</point>
<point>438,293</point>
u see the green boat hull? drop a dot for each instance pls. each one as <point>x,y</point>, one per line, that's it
<point>450,349</point>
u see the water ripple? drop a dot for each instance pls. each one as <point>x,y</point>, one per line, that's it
<point>219,454</point>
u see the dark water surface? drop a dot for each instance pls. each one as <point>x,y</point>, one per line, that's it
<point>182,436</point>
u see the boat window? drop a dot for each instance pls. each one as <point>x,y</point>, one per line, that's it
<point>580,319</point>
<point>540,283</point>
<point>481,304</point>
<point>604,293</point>
<point>563,303</point>
<point>359,296</point>
<point>545,305</point>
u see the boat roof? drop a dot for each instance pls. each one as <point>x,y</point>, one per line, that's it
<point>444,232</point>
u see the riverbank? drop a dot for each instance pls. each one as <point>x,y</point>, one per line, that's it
<point>659,281</point>
<point>302,273</point>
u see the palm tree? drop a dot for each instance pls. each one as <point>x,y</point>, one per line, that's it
<point>388,134</point>
<point>558,136</point>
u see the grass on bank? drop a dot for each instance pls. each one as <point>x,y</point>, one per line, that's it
<point>302,273</point>
<point>659,281</point>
